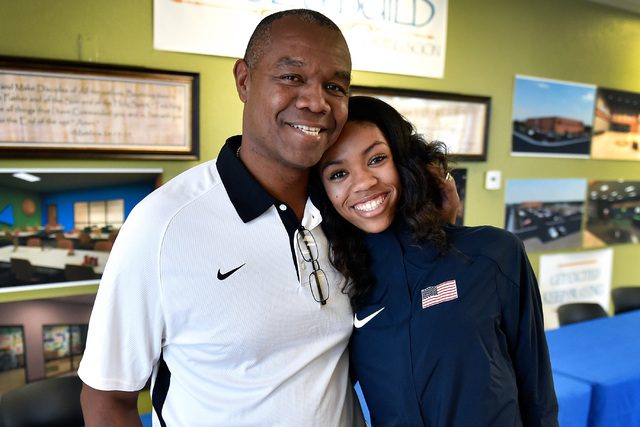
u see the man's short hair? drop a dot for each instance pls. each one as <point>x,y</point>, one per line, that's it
<point>260,41</point>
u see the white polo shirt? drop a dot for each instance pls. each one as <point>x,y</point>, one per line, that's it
<point>201,289</point>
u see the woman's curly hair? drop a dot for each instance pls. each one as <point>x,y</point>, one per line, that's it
<point>420,199</point>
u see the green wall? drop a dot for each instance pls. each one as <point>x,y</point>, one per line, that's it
<point>14,198</point>
<point>489,43</point>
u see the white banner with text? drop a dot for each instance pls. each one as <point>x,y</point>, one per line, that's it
<point>574,277</point>
<point>387,36</point>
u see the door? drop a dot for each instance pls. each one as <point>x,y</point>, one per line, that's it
<point>52,214</point>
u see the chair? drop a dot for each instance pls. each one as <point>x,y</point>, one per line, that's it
<point>84,241</point>
<point>73,272</point>
<point>103,246</point>
<point>44,403</point>
<point>23,271</point>
<point>579,312</point>
<point>34,241</point>
<point>112,236</point>
<point>626,299</point>
<point>63,243</point>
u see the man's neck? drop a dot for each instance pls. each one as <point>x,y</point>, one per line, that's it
<point>289,185</point>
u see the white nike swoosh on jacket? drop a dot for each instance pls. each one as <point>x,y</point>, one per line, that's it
<point>360,323</point>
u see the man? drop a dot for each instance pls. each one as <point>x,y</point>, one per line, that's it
<point>208,287</point>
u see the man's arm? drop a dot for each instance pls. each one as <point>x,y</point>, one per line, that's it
<point>109,408</point>
<point>450,196</point>
<point>450,199</point>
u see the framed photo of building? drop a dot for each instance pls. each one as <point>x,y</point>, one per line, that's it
<point>67,109</point>
<point>616,128</point>
<point>460,121</point>
<point>551,118</point>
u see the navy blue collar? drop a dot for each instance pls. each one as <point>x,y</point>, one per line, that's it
<point>249,198</point>
<point>247,195</point>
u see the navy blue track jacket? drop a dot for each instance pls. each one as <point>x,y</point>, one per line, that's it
<point>455,340</point>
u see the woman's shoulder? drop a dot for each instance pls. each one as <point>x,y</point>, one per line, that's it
<point>486,233</point>
<point>496,243</point>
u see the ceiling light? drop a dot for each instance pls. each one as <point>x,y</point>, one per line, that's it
<point>26,177</point>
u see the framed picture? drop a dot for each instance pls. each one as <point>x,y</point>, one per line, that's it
<point>460,121</point>
<point>68,109</point>
<point>551,118</point>
<point>82,207</point>
<point>63,347</point>
<point>616,125</point>
<point>546,214</point>
<point>613,213</point>
<point>13,372</point>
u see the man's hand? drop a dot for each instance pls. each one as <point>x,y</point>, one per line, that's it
<point>450,196</point>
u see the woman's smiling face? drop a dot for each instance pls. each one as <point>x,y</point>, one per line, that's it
<point>360,177</point>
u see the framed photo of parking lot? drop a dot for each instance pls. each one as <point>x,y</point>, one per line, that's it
<point>546,214</point>
<point>460,121</point>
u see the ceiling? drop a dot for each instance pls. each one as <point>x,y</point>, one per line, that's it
<point>69,179</point>
<point>628,5</point>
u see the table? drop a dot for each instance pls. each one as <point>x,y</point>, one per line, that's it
<point>93,235</point>
<point>146,419</point>
<point>604,354</point>
<point>53,258</point>
<point>26,234</point>
<point>574,400</point>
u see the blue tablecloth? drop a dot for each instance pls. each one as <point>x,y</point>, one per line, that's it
<point>574,398</point>
<point>363,404</point>
<point>146,420</point>
<point>605,354</point>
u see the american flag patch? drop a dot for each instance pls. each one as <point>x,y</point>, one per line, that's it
<point>433,295</point>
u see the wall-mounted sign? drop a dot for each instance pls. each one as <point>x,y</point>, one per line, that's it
<point>66,109</point>
<point>397,37</point>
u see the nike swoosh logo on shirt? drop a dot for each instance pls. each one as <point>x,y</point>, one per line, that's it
<point>223,276</point>
<point>360,323</point>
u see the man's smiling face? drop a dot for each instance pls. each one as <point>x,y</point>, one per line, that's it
<point>296,96</point>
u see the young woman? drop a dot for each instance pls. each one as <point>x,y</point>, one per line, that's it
<point>448,320</point>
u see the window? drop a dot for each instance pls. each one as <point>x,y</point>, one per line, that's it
<point>98,214</point>
<point>63,347</point>
<point>12,358</point>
